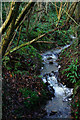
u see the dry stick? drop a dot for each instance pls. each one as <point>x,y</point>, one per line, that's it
<point>60,10</point>
<point>67,6</point>
<point>12,39</point>
<point>46,7</point>
<point>34,40</point>
<point>56,9</point>
<point>29,15</point>
<point>59,15</point>
<point>37,11</point>
<point>50,42</point>
<point>72,11</point>
<point>19,35</point>
<point>70,7</point>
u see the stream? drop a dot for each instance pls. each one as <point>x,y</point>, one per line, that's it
<point>59,105</point>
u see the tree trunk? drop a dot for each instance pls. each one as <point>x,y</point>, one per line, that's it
<point>9,19</point>
<point>14,24</point>
<point>23,13</point>
<point>72,10</point>
<point>77,13</point>
<point>6,40</point>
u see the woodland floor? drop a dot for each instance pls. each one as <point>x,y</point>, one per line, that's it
<point>13,99</point>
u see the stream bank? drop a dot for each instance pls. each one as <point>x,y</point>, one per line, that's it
<point>70,64</point>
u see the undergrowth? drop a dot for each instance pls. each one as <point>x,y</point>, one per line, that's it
<point>23,60</point>
<point>69,74</point>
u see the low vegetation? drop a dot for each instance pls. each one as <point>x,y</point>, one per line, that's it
<point>69,74</point>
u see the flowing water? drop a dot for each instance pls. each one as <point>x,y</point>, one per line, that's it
<point>59,106</point>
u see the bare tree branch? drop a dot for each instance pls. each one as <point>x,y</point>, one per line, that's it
<point>34,40</point>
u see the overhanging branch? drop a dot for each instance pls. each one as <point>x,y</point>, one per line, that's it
<point>34,40</point>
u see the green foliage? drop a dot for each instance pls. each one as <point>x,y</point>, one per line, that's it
<point>42,24</point>
<point>71,71</point>
<point>5,10</point>
<point>6,61</point>
<point>47,23</point>
<point>31,55</point>
<point>76,101</point>
<point>76,106</point>
<point>30,97</point>
<point>23,60</point>
<point>40,76</point>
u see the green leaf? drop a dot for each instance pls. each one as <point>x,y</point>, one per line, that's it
<point>76,74</point>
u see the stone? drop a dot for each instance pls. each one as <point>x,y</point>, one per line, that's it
<point>52,112</point>
<point>49,58</point>
<point>45,75</point>
<point>56,74</point>
<point>50,62</point>
<point>52,91</point>
<point>51,74</point>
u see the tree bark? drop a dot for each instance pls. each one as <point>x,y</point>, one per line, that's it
<point>77,13</point>
<point>14,24</point>
<point>72,11</point>
<point>6,40</point>
<point>9,19</point>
